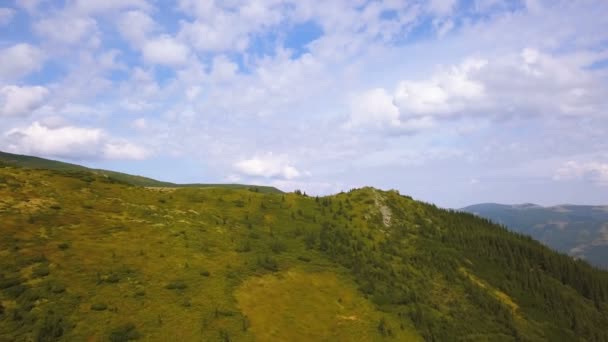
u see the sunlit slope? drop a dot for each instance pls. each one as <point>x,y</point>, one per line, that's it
<point>86,258</point>
<point>42,163</point>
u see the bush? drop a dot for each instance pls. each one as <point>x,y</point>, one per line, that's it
<point>303,258</point>
<point>112,278</point>
<point>58,288</point>
<point>278,246</point>
<point>269,263</point>
<point>205,273</point>
<point>63,246</point>
<point>99,307</point>
<point>124,333</point>
<point>52,328</point>
<point>41,271</point>
<point>9,282</point>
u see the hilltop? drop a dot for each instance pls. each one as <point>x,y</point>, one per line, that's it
<point>86,257</point>
<point>42,163</point>
<point>579,230</point>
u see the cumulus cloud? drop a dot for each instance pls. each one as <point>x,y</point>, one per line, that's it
<point>135,26</point>
<point>101,6</point>
<point>6,15</point>
<point>227,26</point>
<point>442,7</point>
<point>15,100</point>
<point>447,92</point>
<point>593,171</point>
<point>376,109</point>
<point>268,166</point>
<point>69,142</point>
<point>525,84</point>
<point>124,150</point>
<point>19,60</point>
<point>66,28</point>
<point>165,50</point>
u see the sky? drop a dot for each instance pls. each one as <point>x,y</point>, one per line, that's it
<point>453,102</point>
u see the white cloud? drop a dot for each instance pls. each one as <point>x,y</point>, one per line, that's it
<point>67,142</point>
<point>15,100</point>
<point>19,60</point>
<point>268,166</point>
<point>135,26</point>
<point>165,50</point>
<point>223,69</point>
<point>227,26</point>
<point>65,28</point>
<point>6,15</point>
<point>445,93</point>
<point>140,124</point>
<point>442,7</point>
<point>100,6</point>
<point>70,142</point>
<point>525,84</point>
<point>593,171</point>
<point>29,5</point>
<point>124,150</point>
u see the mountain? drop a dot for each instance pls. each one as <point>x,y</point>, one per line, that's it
<point>84,257</point>
<point>41,163</point>
<point>579,230</point>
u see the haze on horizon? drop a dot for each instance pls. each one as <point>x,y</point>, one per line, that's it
<point>451,101</point>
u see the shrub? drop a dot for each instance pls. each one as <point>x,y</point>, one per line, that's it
<point>63,246</point>
<point>9,282</point>
<point>58,288</point>
<point>112,278</point>
<point>303,258</point>
<point>99,307</point>
<point>15,291</point>
<point>41,271</point>
<point>205,273</point>
<point>124,333</point>
<point>52,328</point>
<point>278,246</point>
<point>268,263</point>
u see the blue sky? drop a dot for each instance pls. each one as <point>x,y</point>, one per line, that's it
<point>451,101</point>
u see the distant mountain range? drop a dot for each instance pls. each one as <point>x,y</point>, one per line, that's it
<point>31,162</point>
<point>579,230</point>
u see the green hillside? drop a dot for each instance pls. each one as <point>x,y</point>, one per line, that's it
<point>41,163</point>
<point>579,230</point>
<point>86,258</point>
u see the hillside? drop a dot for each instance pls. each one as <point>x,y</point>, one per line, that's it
<point>579,230</point>
<point>42,163</point>
<point>86,258</point>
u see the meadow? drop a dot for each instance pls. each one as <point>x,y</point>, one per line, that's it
<point>85,257</point>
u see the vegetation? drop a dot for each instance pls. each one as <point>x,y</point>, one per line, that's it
<point>579,230</point>
<point>239,265</point>
<point>16,160</point>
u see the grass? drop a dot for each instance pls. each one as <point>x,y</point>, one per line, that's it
<point>85,258</point>
<point>303,305</point>
<point>135,266</point>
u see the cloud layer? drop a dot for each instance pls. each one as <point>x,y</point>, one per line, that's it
<point>419,95</point>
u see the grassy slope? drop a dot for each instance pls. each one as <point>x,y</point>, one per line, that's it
<point>41,163</point>
<point>86,258</point>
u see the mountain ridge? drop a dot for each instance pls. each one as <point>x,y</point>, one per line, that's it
<point>86,257</point>
<point>579,230</point>
<point>43,163</point>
